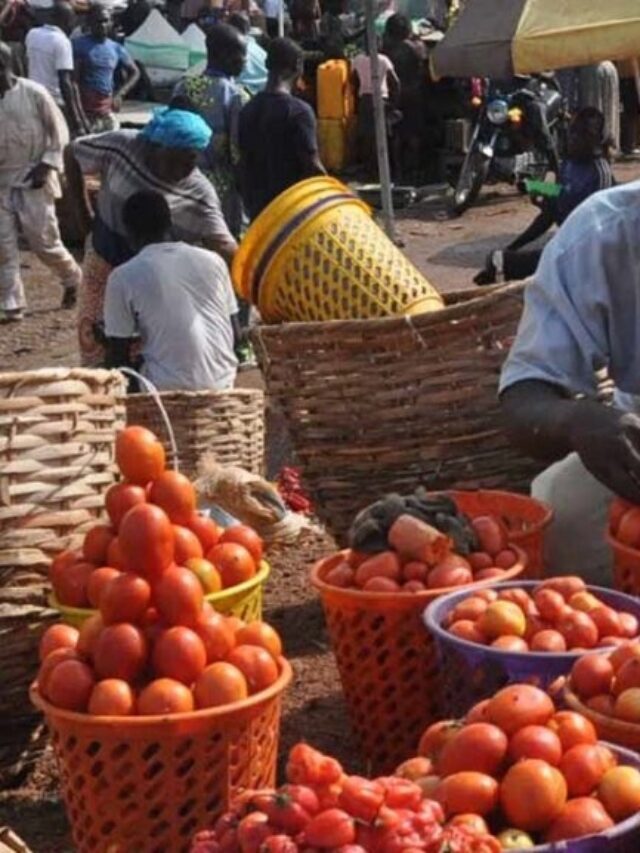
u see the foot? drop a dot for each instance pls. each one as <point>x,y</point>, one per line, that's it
<point>14,315</point>
<point>69,297</point>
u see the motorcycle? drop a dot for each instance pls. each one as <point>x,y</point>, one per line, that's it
<point>505,143</point>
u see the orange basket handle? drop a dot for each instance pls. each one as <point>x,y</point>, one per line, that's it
<point>157,399</point>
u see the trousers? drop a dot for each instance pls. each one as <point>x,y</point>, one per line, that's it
<point>33,211</point>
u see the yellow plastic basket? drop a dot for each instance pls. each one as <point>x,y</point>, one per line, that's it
<point>315,253</point>
<point>243,600</point>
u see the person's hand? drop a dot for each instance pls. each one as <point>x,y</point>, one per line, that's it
<point>38,175</point>
<point>608,443</point>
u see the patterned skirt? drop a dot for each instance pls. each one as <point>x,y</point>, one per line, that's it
<point>95,272</point>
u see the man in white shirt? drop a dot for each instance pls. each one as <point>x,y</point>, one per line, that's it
<point>177,298</point>
<point>50,63</point>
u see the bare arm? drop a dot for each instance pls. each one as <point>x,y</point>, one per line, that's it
<point>77,120</point>
<point>132,76</point>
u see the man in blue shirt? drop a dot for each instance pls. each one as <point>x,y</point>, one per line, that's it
<point>97,59</point>
<point>581,325</point>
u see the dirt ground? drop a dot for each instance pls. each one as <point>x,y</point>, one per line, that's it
<point>448,251</point>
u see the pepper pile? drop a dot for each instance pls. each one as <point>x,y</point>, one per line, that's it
<point>291,491</point>
<point>321,808</point>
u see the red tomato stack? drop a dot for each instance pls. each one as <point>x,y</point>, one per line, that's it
<point>155,646</point>
<point>321,808</point>
<point>610,684</point>
<point>535,774</point>
<point>559,615</point>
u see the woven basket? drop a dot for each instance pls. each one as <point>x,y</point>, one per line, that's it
<point>229,424</point>
<point>57,437</point>
<point>383,405</point>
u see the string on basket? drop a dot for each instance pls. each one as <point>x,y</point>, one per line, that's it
<point>157,399</point>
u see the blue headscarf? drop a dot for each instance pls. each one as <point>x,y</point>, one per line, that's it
<point>175,128</point>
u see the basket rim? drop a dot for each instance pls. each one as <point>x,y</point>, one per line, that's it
<point>358,595</point>
<point>612,724</point>
<point>100,374</point>
<point>146,720</point>
<point>432,616</point>
<point>258,393</point>
<point>260,577</point>
<point>617,545</point>
<point>547,510</point>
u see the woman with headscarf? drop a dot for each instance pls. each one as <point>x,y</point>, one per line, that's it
<point>161,158</point>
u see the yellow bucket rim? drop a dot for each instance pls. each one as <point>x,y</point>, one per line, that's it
<point>268,226</point>
<point>83,613</point>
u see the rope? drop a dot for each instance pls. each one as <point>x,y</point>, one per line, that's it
<point>155,394</point>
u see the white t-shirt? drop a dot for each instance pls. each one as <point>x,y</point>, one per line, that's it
<point>362,66</point>
<point>48,51</point>
<point>179,298</point>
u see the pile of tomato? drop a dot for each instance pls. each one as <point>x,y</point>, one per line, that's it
<point>533,774</point>
<point>624,522</point>
<point>322,808</point>
<point>155,646</point>
<point>610,684</point>
<point>410,565</point>
<point>153,523</point>
<point>559,615</point>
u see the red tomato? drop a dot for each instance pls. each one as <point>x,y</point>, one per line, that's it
<point>491,534</point>
<point>622,654</point>
<point>50,663</point>
<point>572,729</point>
<point>477,713</point>
<point>579,630</point>
<point>96,544</point>
<point>536,742</point>
<point>258,633</point>
<point>98,579</point>
<point>471,608</point>
<point>114,555</point>
<point>257,666</point>
<point>602,704</point>
<point>478,746</point>
<point>627,705</point>
<point>179,654</point>
<point>628,625</point>
<point>618,508</point>
<point>219,684</point>
<point>436,736</point>
<point>467,791</point>
<point>112,698</point>
<point>342,576</point>
<point>619,792</point>
<point>120,498</point>
<point>174,493</point>
<point>467,630</point>
<point>381,585</point>
<point>146,541</point>
<point>548,641</point>
<point>70,684</point>
<point>234,563</point>
<point>583,767</point>
<point>89,633</point>
<point>125,598</point>
<point>506,559</point>
<point>207,531</point>
<point>480,560</point>
<point>331,828</point>
<point>61,563</point>
<point>139,455</point>
<point>415,571</point>
<point>57,636</point>
<point>187,545</point>
<point>361,798</point>
<point>550,603</point>
<point>242,534</point>
<point>178,597</point>
<point>592,674</point>
<point>510,644</point>
<point>566,585</point>
<point>532,794</point>
<point>519,705</point>
<point>71,585</point>
<point>444,576</point>
<point>165,696</point>
<point>628,675</point>
<point>218,637</point>
<point>120,651</point>
<point>413,586</point>
<point>580,817</point>
<point>607,621</point>
<point>628,531</point>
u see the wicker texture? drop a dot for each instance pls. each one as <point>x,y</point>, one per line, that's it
<point>379,405</point>
<point>229,424</point>
<point>147,784</point>
<point>57,438</point>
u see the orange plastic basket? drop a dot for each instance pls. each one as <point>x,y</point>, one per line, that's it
<point>146,784</point>
<point>525,518</point>
<point>387,661</point>
<point>610,729</point>
<point>626,566</point>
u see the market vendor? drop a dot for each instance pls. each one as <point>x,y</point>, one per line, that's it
<point>581,321</point>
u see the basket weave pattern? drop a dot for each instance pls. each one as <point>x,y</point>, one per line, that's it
<point>384,405</point>
<point>229,424</point>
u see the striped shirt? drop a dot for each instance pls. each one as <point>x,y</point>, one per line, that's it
<point>120,160</point>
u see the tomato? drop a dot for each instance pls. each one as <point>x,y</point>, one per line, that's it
<point>469,609</point>
<point>258,633</point>
<point>473,821</point>
<point>510,644</point>
<point>187,545</point>
<point>71,585</point>
<point>308,766</point>
<point>414,768</point>
<point>452,571</point>
<point>115,558</point>
<point>478,746</point>
<point>617,509</point>
<point>242,534</point>
<point>619,792</point>
<point>548,641</point>
<point>57,636</point>
<point>120,651</point>
<point>139,455</point>
<point>582,816</point>
<point>579,630</point>
<point>342,576</point>
<point>124,598</point>
<point>61,563</point>
<point>583,767</point>
<point>119,499</point>
<point>112,698</point>
<point>488,594</point>
<point>218,684</point>
<point>175,494</point>
<point>206,529</point>
<point>381,585</point>
<point>603,703</point>
<point>467,791</point>
<point>506,559</point>
<point>584,601</point>
<point>629,625</point>
<point>467,630</point>
<point>361,798</point>
<point>98,579</point>
<point>532,794</point>
<point>479,560</point>
<point>566,585</point>
<point>217,637</point>
<point>519,705</point>
<point>234,563</point>
<point>502,617</point>
<point>627,705</point>
<point>96,544</point>
<point>70,684</point>
<point>285,844</point>
<point>179,654</point>
<point>628,531</point>
<point>478,712</point>
<point>415,571</point>
<point>89,633</point>
<point>257,666</point>
<point>165,696</point>
<point>572,729</point>
<point>627,676</point>
<point>331,828</point>
<point>401,793</point>
<point>592,674</point>
<point>178,597</point>
<point>146,541</point>
<point>536,742</point>
<point>385,564</point>
<point>50,663</point>
<point>622,654</point>
<point>550,603</point>
<point>607,621</point>
<point>413,586</point>
<point>207,574</point>
<point>491,534</point>
<point>516,595</point>
<point>303,795</point>
<point>282,812</point>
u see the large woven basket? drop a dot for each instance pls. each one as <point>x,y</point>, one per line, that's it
<point>57,439</point>
<point>379,405</point>
<point>229,424</point>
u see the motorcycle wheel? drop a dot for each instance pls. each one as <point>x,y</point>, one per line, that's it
<point>473,175</point>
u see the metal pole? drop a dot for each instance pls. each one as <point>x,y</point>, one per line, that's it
<point>281,19</point>
<point>382,147</point>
